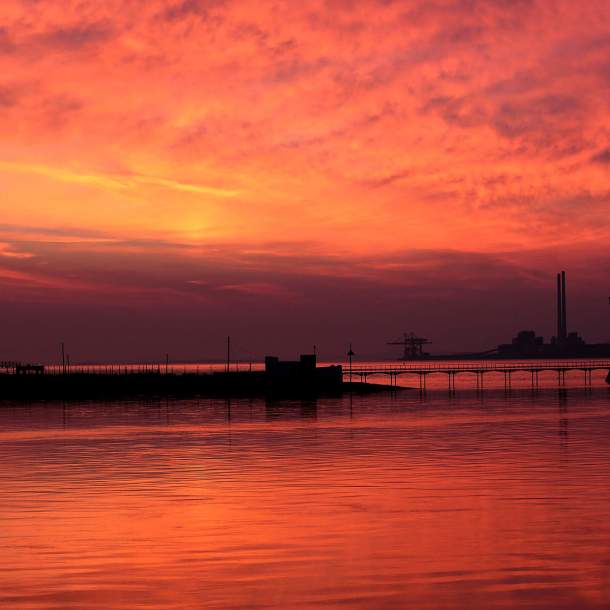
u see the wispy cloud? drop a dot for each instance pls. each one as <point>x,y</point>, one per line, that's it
<point>603,156</point>
<point>9,251</point>
<point>114,181</point>
<point>185,186</point>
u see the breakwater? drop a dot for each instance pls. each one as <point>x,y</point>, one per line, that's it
<point>152,383</point>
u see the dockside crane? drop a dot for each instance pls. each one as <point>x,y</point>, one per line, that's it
<point>412,346</point>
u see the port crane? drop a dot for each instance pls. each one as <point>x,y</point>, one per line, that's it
<point>413,346</point>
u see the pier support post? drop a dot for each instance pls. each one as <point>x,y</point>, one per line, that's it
<point>422,382</point>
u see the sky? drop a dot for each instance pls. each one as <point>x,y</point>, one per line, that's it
<point>299,173</point>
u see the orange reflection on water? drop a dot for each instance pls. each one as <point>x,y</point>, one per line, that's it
<point>381,503</point>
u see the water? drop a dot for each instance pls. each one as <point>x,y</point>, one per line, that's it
<point>477,501</point>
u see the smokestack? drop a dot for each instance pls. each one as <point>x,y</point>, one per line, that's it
<point>559,310</point>
<point>564,320</point>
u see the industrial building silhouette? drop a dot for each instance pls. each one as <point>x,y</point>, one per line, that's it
<point>565,344</point>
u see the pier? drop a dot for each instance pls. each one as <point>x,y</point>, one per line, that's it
<point>278,378</point>
<point>479,370</point>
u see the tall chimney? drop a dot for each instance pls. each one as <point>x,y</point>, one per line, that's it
<point>564,320</point>
<point>559,310</point>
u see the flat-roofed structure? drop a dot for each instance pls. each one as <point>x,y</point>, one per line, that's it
<point>302,373</point>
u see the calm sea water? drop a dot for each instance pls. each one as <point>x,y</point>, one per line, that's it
<point>475,501</point>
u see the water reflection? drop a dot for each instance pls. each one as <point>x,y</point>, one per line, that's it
<point>477,500</point>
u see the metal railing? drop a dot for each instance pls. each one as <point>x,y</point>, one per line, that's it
<point>483,366</point>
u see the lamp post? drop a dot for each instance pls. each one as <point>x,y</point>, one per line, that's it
<point>350,355</point>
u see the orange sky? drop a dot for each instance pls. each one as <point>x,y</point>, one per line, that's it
<point>242,141</point>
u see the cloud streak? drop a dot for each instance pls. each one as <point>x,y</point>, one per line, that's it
<point>114,181</point>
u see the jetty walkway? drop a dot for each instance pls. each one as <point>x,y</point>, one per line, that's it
<point>479,369</point>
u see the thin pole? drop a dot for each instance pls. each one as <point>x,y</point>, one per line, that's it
<point>350,363</point>
<point>559,311</point>
<point>350,355</point>
<point>564,321</point>
<point>228,353</point>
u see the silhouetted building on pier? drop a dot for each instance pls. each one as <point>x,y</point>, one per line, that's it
<point>302,373</point>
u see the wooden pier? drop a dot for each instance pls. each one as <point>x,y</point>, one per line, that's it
<point>479,369</point>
